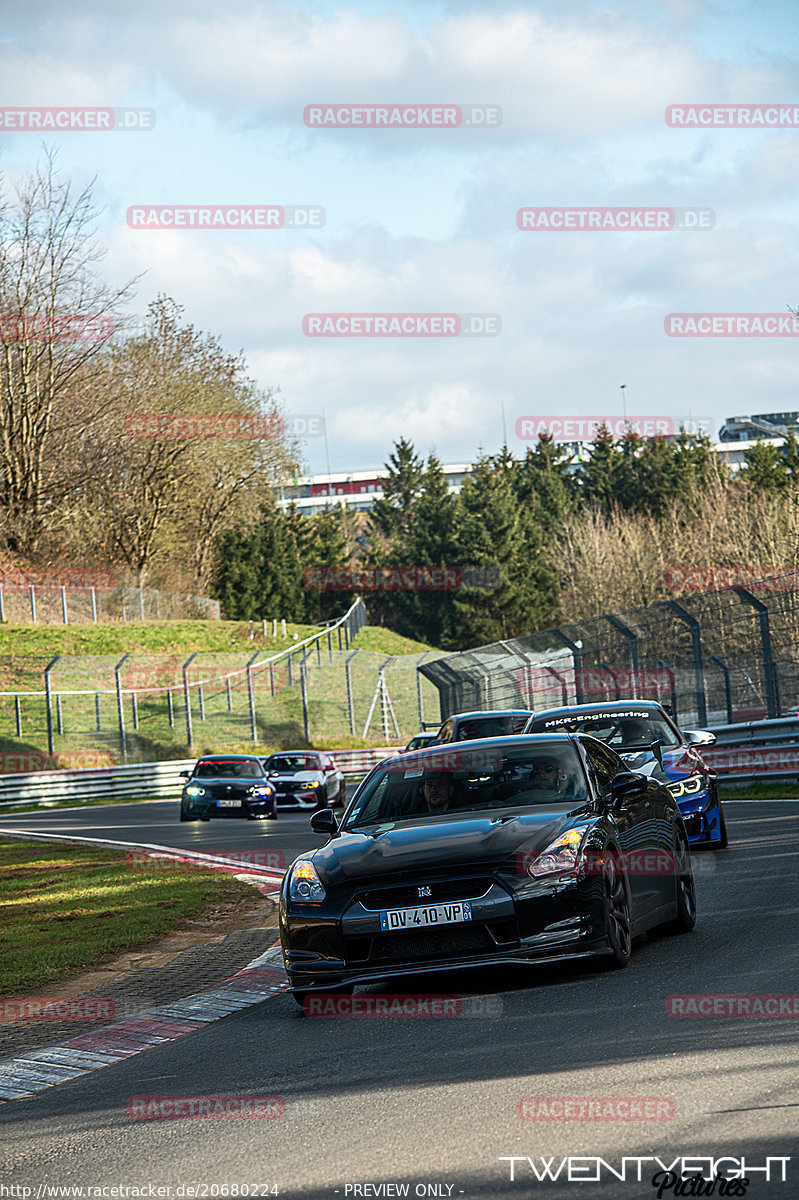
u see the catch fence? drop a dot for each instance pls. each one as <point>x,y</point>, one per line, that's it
<point>716,657</point>
<point>42,603</point>
<point>92,711</point>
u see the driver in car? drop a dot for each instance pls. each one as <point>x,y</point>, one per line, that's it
<point>438,791</point>
<point>635,732</point>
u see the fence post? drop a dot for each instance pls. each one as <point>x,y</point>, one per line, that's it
<point>49,701</point>
<point>339,638</point>
<point>33,606</point>
<point>59,721</point>
<point>187,696</point>
<point>727,694</point>
<point>632,641</point>
<point>578,663</point>
<point>251,692</point>
<point>291,682</point>
<point>120,707</point>
<point>134,704</point>
<point>64,616</point>
<point>665,665</point>
<point>97,712</point>
<point>319,651</point>
<point>201,698</point>
<point>170,708</point>
<point>419,700</point>
<point>350,706</point>
<point>229,695</point>
<point>2,605</point>
<point>94,605</point>
<point>18,715</point>
<point>769,674</point>
<point>696,644</point>
<point>141,604</point>
<point>329,646</point>
<point>272,678</point>
<point>304,690</point>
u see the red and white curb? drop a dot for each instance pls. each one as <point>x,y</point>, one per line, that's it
<point>261,979</point>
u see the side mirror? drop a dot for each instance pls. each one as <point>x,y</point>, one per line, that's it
<point>185,774</point>
<point>657,750</point>
<point>328,768</point>
<point>699,737</point>
<point>628,785</point>
<point>325,821</point>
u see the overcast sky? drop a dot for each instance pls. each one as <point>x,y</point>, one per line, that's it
<point>424,220</point>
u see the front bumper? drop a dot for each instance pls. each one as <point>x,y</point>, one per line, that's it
<point>559,919</point>
<point>251,808</point>
<point>702,816</point>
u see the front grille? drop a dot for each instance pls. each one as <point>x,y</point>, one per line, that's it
<point>229,792</point>
<point>431,943</point>
<point>408,896</point>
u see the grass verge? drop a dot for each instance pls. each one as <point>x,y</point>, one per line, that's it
<point>760,791</point>
<point>63,910</point>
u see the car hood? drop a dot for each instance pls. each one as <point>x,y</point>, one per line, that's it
<point>295,776</point>
<point>436,844</point>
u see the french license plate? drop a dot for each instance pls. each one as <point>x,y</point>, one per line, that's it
<point>228,803</point>
<point>397,919</point>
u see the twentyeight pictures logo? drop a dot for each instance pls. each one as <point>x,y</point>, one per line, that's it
<point>387,324</point>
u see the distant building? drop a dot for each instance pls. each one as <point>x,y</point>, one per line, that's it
<point>356,491</point>
<point>761,425</point>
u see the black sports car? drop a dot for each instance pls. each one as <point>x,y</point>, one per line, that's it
<point>227,785</point>
<point>512,850</point>
<point>473,726</point>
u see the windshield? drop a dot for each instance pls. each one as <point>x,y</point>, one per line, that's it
<point>472,728</point>
<point>287,764</point>
<point>230,768</point>
<point>548,775</point>
<point>621,730</point>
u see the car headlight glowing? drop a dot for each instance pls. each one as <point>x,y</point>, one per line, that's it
<point>305,885</point>
<point>687,787</point>
<point>308,786</point>
<point>195,791</point>
<point>262,791</point>
<point>559,857</point>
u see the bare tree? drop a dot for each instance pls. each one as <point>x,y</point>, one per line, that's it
<point>56,317</point>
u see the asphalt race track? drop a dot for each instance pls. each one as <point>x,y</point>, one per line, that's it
<point>431,1104</point>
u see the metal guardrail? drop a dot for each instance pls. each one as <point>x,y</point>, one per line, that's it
<point>159,780</point>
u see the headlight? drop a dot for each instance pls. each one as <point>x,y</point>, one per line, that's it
<point>304,787</point>
<point>262,791</point>
<point>687,787</point>
<point>305,885</point>
<point>559,857</point>
<point>195,791</point>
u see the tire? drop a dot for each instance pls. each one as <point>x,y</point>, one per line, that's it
<point>685,920</point>
<point>186,817</point>
<point>618,918</point>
